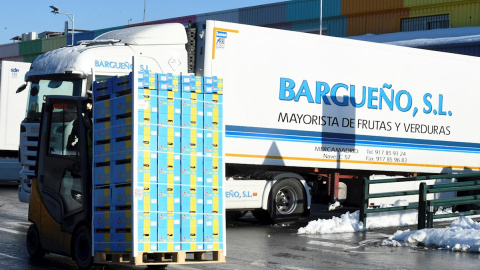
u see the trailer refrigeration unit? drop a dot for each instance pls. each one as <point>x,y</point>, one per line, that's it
<point>302,113</point>
<point>12,105</point>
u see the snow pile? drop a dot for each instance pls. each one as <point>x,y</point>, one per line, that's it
<point>349,222</point>
<point>346,223</point>
<point>462,235</point>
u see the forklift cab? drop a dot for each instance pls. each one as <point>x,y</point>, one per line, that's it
<point>61,205</point>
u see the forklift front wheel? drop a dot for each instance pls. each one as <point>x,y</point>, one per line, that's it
<point>82,248</point>
<point>34,246</point>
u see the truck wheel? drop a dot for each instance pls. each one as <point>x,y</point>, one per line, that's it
<point>82,248</point>
<point>286,203</point>
<point>34,246</point>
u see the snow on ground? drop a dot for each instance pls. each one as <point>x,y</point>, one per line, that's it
<point>462,235</point>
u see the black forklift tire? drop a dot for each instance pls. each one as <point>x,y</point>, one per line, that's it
<point>34,246</point>
<point>82,248</point>
<point>286,203</point>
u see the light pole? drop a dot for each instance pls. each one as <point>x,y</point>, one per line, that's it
<point>321,26</point>
<point>70,16</point>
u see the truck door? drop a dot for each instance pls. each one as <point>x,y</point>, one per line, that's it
<point>63,163</point>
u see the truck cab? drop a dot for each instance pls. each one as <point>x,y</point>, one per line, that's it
<point>71,70</point>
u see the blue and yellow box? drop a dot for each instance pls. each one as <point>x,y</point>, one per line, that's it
<point>102,170</point>
<point>213,108</point>
<point>146,197</point>
<point>164,81</point>
<point>102,219</point>
<point>102,134</point>
<point>103,123</point>
<point>122,219</point>
<point>169,102</point>
<point>123,144</point>
<point>102,197</point>
<point>102,239</point>
<point>121,131</point>
<point>192,104</point>
<point>213,232</point>
<point>192,83</point>
<point>214,180</point>
<point>147,109</point>
<point>147,80</point>
<point>170,246</point>
<point>102,90</point>
<point>102,147</point>
<point>122,196</point>
<point>169,82</point>
<point>191,165</point>
<point>169,231</point>
<point>121,120</point>
<point>102,109</point>
<point>122,105</point>
<point>213,172</point>
<point>192,231</point>
<point>212,121</point>
<point>122,170</point>
<point>147,219</point>
<point>169,139</point>
<point>192,121</point>
<point>212,142</point>
<point>147,239</point>
<point>169,120</point>
<point>147,137</point>
<point>213,200</point>
<point>122,83</point>
<point>213,85</point>
<point>168,196</point>
<point>147,164</point>
<point>191,199</point>
<point>121,240</point>
<point>192,141</point>
<point>169,168</point>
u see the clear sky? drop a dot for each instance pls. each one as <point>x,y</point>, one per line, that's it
<point>23,16</point>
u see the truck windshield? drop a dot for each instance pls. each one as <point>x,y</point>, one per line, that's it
<point>39,88</point>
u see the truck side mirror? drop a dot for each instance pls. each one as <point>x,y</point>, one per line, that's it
<point>34,91</point>
<point>21,88</point>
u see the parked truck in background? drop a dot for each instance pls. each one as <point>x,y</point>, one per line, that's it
<point>302,113</point>
<point>12,105</point>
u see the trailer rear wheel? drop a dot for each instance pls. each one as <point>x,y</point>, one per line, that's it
<point>34,246</point>
<point>82,248</point>
<point>286,203</point>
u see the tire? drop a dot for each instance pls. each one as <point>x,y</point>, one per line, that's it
<point>286,203</point>
<point>82,248</point>
<point>34,246</point>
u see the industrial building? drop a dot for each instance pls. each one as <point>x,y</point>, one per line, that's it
<point>340,18</point>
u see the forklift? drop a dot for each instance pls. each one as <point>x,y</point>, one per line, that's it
<point>60,205</point>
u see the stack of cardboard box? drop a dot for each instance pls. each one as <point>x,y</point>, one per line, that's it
<point>158,163</point>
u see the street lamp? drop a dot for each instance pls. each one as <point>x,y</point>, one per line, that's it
<point>321,10</point>
<point>56,10</point>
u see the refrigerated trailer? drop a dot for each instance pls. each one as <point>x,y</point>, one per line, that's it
<point>12,105</point>
<point>303,113</point>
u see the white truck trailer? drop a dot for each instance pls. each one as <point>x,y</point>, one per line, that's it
<point>12,105</point>
<point>301,110</point>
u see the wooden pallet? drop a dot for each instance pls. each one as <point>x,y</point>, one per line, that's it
<point>161,258</point>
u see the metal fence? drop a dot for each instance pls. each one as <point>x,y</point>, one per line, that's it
<point>425,207</point>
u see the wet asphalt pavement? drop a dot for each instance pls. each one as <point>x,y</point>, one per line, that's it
<point>254,246</point>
